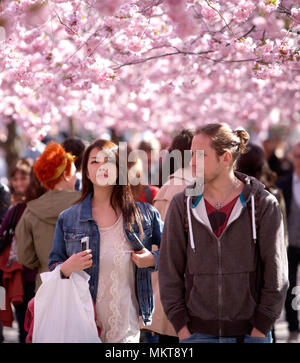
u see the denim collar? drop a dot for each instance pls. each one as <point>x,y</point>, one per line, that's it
<point>86,215</point>
<point>86,209</point>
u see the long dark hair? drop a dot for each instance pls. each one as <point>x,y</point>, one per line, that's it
<point>121,196</point>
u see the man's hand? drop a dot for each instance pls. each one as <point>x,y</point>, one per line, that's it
<point>143,258</point>
<point>184,333</point>
<point>256,333</point>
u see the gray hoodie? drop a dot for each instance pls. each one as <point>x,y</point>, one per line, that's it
<point>211,284</point>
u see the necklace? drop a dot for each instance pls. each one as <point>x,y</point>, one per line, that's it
<point>220,203</point>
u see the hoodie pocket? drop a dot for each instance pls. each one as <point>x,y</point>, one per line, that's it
<point>203,297</point>
<point>238,302</point>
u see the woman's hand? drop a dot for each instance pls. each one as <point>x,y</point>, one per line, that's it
<point>77,262</point>
<point>143,258</point>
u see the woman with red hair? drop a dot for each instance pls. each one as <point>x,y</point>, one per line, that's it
<point>55,169</point>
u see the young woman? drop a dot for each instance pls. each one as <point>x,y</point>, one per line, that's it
<point>20,179</point>
<point>55,169</point>
<point>116,235</point>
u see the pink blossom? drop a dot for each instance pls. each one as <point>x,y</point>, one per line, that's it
<point>245,45</point>
<point>107,7</point>
<point>135,44</point>
<point>148,64</point>
<point>268,6</point>
<point>104,74</point>
<point>267,71</point>
<point>210,12</point>
<point>243,11</point>
<point>72,23</point>
<point>31,35</point>
<point>167,88</point>
<point>296,13</point>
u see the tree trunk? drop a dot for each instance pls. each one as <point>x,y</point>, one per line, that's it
<point>12,146</point>
<point>72,127</point>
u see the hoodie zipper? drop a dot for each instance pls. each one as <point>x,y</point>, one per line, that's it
<point>219,274</point>
<point>220,289</point>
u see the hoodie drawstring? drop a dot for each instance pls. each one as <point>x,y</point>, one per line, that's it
<point>254,235</point>
<point>190,224</point>
<point>253,219</point>
<point>253,215</point>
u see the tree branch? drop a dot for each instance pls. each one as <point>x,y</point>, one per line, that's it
<point>248,32</point>
<point>200,54</point>
<point>144,60</point>
<point>62,23</point>
<point>221,16</point>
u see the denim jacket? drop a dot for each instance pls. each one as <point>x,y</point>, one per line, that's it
<point>77,222</point>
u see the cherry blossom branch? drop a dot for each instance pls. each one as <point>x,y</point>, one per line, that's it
<point>221,16</point>
<point>248,32</point>
<point>157,3</point>
<point>200,54</point>
<point>62,23</point>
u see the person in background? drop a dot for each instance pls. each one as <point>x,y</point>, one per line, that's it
<point>180,177</point>
<point>180,171</point>
<point>141,192</point>
<point>274,149</point>
<point>254,163</point>
<point>290,187</point>
<point>146,194</point>
<point>150,167</point>
<point>4,200</point>
<point>19,178</point>
<point>4,205</point>
<point>33,191</point>
<point>55,169</point>
<point>76,147</point>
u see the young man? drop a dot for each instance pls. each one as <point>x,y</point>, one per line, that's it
<point>223,265</point>
<point>291,191</point>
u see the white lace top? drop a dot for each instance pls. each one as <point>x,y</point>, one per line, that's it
<point>116,303</point>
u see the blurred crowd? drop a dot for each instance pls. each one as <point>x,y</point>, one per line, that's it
<point>36,194</point>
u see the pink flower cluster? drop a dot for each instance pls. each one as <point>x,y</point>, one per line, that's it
<point>148,63</point>
<point>295,12</point>
<point>244,10</point>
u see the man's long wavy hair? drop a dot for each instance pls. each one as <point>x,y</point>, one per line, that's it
<point>122,196</point>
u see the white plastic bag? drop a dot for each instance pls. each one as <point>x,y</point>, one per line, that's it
<point>2,298</point>
<point>63,310</point>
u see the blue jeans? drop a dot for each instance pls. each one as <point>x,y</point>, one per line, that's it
<point>203,338</point>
